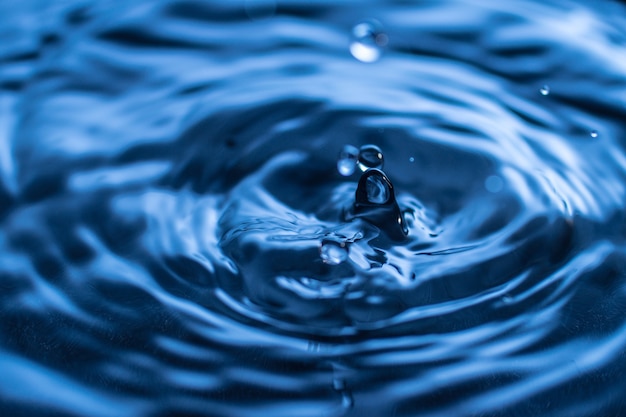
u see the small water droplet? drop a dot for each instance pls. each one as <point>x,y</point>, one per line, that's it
<point>545,90</point>
<point>333,253</point>
<point>494,184</point>
<point>370,156</point>
<point>594,133</point>
<point>368,40</point>
<point>411,159</point>
<point>347,161</point>
<point>377,190</point>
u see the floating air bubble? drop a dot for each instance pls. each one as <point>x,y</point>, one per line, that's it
<point>348,158</point>
<point>368,41</point>
<point>370,156</point>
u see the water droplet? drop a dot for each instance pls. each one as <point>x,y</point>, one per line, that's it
<point>370,156</point>
<point>347,161</point>
<point>594,133</point>
<point>494,184</point>
<point>368,40</point>
<point>411,159</point>
<point>377,190</point>
<point>333,253</point>
<point>545,90</point>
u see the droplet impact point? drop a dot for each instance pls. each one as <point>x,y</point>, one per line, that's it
<point>375,202</point>
<point>545,90</point>
<point>594,134</point>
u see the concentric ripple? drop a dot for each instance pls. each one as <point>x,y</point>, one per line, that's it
<point>196,218</point>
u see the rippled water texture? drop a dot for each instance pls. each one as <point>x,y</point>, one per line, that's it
<point>177,238</point>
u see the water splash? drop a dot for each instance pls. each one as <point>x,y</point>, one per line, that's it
<point>377,190</point>
<point>375,202</point>
<point>333,252</point>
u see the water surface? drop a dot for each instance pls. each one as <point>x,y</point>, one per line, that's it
<point>177,240</point>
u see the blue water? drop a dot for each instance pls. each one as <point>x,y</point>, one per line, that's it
<point>176,238</point>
